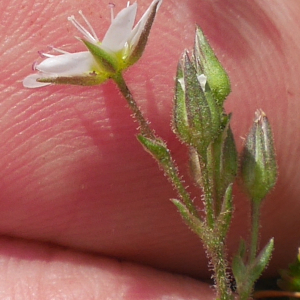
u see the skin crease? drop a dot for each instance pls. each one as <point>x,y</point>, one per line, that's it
<point>73,175</point>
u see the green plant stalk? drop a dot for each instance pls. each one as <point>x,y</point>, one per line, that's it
<point>170,169</point>
<point>144,126</point>
<point>214,162</point>
<point>220,270</point>
<point>207,191</point>
<point>212,199</point>
<point>215,246</point>
<point>222,285</point>
<point>255,215</point>
<point>172,173</point>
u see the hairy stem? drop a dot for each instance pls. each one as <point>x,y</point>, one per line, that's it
<point>219,263</point>
<point>171,171</point>
<point>255,214</point>
<point>169,168</point>
<point>144,126</point>
<point>207,191</point>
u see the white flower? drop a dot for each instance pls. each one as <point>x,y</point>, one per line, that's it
<point>121,47</point>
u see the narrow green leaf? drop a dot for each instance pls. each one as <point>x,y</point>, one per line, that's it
<point>157,148</point>
<point>195,224</point>
<point>261,261</point>
<point>246,275</point>
<point>225,216</point>
<point>223,163</point>
<point>238,269</point>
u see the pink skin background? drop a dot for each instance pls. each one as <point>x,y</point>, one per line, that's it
<point>84,210</point>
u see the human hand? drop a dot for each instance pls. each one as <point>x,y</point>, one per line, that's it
<point>73,174</point>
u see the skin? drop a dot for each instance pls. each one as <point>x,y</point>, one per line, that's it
<point>84,210</point>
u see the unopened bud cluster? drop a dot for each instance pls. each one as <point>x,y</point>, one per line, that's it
<point>198,113</point>
<point>199,118</point>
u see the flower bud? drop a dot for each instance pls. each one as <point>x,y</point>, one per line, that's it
<point>197,118</point>
<point>207,63</point>
<point>258,163</point>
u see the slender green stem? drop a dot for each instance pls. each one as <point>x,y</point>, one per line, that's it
<point>220,270</point>
<point>207,191</point>
<point>255,215</point>
<point>210,216</point>
<point>144,126</point>
<point>214,240</point>
<point>170,169</point>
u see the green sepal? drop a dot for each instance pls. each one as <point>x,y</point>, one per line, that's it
<point>85,80</point>
<point>208,64</point>
<point>180,121</point>
<point>217,112</point>
<point>139,46</point>
<point>197,109</point>
<point>106,61</point>
<point>198,112</point>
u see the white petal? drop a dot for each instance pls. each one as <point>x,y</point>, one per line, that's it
<point>30,81</point>
<point>69,64</point>
<point>120,29</point>
<point>138,28</point>
<point>202,80</point>
<point>181,81</point>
